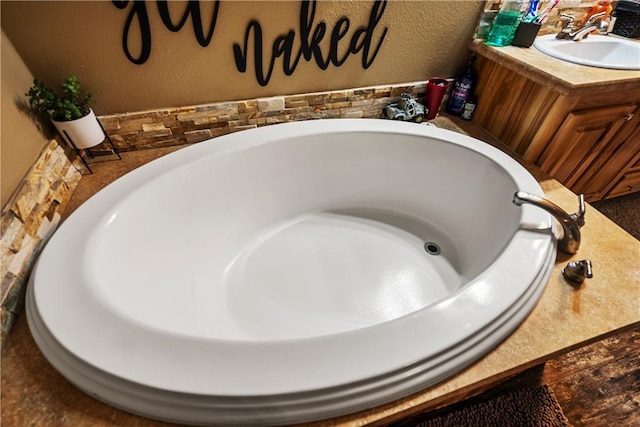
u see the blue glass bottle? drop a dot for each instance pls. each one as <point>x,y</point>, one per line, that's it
<point>462,88</point>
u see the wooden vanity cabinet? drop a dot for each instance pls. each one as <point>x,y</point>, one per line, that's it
<point>589,140</point>
<point>627,182</point>
<point>602,142</point>
<point>627,179</point>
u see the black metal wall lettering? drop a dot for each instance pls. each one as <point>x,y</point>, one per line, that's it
<point>139,11</point>
<point>193,9</point>
<point>361,40</point>
<point>139,15</point>
<point>364,40</point>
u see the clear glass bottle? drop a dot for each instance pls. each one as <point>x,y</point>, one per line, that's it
<point>505,25</point>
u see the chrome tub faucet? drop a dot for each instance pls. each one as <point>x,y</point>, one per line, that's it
<point>571,223</point>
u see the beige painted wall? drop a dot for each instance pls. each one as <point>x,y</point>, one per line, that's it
<point>20,140</point>
<point>57,39</point>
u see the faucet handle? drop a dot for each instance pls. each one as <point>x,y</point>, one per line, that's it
<point>596,16</point>
<point>578,217</point>
<point>570,19</point>
<point>576,271</point>
<point>605,25</point>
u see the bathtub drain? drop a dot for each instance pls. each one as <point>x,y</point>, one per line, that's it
<point>432,248</point>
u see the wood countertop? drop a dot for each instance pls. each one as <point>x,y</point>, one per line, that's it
<point>565,77</point>
<point>33,393</point>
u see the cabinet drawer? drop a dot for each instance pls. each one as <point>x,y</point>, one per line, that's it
<point>629,183</point>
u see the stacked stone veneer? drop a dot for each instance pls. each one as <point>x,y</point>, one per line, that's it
<point>161,128</point>
<point>28,220</point>
<point>576,8</point>
<point>35,209</point>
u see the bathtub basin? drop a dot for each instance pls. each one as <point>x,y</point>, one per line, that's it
<point>291,273</point>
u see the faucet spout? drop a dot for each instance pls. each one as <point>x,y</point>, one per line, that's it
<point>597,22</point>
<point>570,240</point>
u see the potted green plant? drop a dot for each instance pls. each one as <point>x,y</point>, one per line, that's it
<point>69,112</point>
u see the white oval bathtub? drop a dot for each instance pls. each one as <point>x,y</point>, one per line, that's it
<point>280,275</point>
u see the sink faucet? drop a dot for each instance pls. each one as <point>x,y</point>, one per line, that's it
<point>570,240</point>
<point>597,22</point>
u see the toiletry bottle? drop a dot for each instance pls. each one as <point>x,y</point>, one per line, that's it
<point>469,107</point>
<point>600,6</point>
<point>505,25</point>
<point>462,88</point>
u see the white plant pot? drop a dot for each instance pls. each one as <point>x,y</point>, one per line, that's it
<point>84,132</point>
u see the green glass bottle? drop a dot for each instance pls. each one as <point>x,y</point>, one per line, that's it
<point>504,26</point>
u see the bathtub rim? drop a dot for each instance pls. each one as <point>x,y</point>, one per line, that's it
<point>526,298</point>
<point>198,409</point>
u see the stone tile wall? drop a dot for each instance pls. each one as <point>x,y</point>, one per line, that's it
<point>576,8</point>
<point>177,126</point>
<point>28,220</point>
<point>34,212</point>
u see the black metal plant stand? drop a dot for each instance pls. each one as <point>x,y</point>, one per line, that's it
<point>90,155</point>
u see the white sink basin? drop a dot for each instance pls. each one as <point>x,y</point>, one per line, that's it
<point>595,51</point>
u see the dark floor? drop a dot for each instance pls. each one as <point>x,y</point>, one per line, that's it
<point>599,385</point>
<point>596,385</point>
<point>624,211</point>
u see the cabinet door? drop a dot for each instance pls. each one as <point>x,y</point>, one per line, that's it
<point>617,160</point>
<point>582,138</point>
<point>629,183</point>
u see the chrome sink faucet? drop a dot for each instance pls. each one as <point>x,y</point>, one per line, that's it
<point>571,223</point>
<point>597,22</point>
